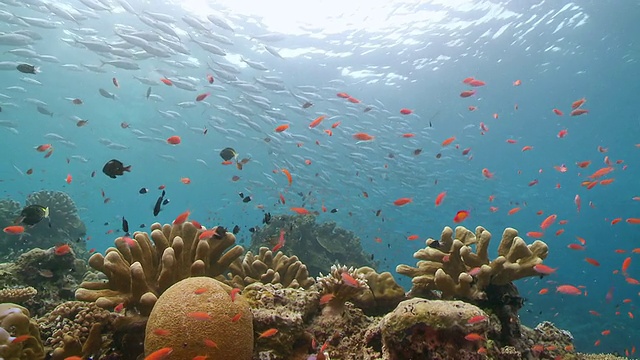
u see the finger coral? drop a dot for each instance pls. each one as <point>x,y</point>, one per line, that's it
<point>14,322</point>
<point>141,268</point>
<point>267,268</point>
<point>383,295</point>
<point>450,265</point>
<point>342,284</point>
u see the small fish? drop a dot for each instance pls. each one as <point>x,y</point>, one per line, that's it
<point>33,214</point>
<point>125,226</point>
<point>460,216</point>
<point>182,218</point>
<point>165,201</point>
<point>27,69</point>
<point>115,168</point>
<point>402,201</point>
<point>333,211</point>
<point>148,92</point>
<point>247,199</point>
<point>236,229</point>
<point>267,218</point>
<point>143,190</point>
<point>174,140</point>
<point>228,153</point>
<point>14,229</point>
<point>160,354</point>
<point>268,333</point>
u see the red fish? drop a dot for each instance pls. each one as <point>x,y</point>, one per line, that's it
<point>199,315</point>
<point>166,82</point>
<point>402,201</point>
<point>440,197</point>
<point>487,173</point>
<point>202,96</point>
<point>448,141</point>
<point>544,269</point>
<point>281,240</point>
<point>467,93</point>
<point>174,140</point>
<point>288,175</point>
<point>460,216</point>
<point>300,210</point>
<point>14,229</point>
<point>209,79</point>
<point>548,221</point>
<point>578,112</point>
<point>474,337</point>
<point>576,104</point>
<point>182,218</point>
<point>349,280</point>
<point>68,179</point>
<point>562,133</point>
<point>268,333</point>
<point>317,121</point>
<point>557,112</point>
<point>405,111</point>
<point>476,82</point>
<point>282,127</point>
<point>568,290</point>
<point>363,136</point>
<point>63,249</point>
<point>234,293</point>
<point>160,354</point>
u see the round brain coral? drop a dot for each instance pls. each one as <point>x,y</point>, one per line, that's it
<point>196,316</point>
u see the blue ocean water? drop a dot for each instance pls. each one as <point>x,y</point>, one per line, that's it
<point>389,56</point>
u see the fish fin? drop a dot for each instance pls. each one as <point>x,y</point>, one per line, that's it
<point>46,212</point>
<point>127,168</point>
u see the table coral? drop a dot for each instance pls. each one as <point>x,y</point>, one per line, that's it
<point>268,268</point>
<point>451,267</point>
<point>194,317</point>
<point>15,321</point>
<point>141,268</point>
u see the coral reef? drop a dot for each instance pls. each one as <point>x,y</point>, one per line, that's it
<point>342,284</point>
<point>285,309</point>
<point>139,270</point>
<point>269,269</point>
<point>52,277</point>
<point>15,322</point>
<point>428,329</point>
<point>73,319</point>
<point>315,244</point>
<point>452,268</point>
<point>197,316</point>
<point>17,295</point>
<point>383,295</point>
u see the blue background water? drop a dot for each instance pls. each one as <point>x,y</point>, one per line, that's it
<point>390,55</point>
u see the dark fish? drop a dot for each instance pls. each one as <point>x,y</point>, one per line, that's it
<point>430,124</point>
<point>435,244</point>
<point>247,199</point>
<point>220,232</point>
<point>371,256</point>
<point>252,230</point>
<point>142,226</point>
<point>156,208</point>
<point>391,156</point>
<point>106,224</point>
<point>267,139</point>
<point>438,156</point>
<point>125,226</point>
<point>241,194</point>
<point>33,214</point>
<point>27,69</point>
<point>228,153</point>
<point>148,92</point>
<point>417,152</point>
<point>114,168</point>
<point>266,219</point>
<point>236,229</point>
<point>307,105</point>
<point>166,201</point>
<point>333,211</point>
<point>143,190</point>
<point>378,212</point>
<point>0,108</point>
<point>367,109</point>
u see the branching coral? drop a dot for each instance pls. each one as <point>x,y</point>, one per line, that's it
<point>17,295</point>
<point>14,322</point>
<point>342,284</point>
<point>73,319</point>
<point>139,270</point>
<point>383,295</point>
<point>66,225</point>
<point>269,269</point>
<point>451,267</point>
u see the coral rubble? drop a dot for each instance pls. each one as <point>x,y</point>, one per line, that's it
<point>141,268</point>
<point>197,316</point>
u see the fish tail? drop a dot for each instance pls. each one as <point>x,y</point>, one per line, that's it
<point>127,168</point>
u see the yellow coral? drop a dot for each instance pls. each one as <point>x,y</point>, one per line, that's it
<point>450,265</point>
<point>17,295</point>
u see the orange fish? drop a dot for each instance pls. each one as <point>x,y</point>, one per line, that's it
<point>476,319</point>
<point>486,173</point>
<point>527,148</point>
<point>210,343</point>
<point>548,221</point>
<point>606,181</point>
<point>467,93</point>
<point>460,216</point>
<point>200,357</point>
<point>557,112</point>
<point>43,147</point>
<point>69,179</point>
<point>568,290</point>
<point>21,338</point>
<point>335,124</point>
<point>349,280</point>
<point>440,197</point>
<point>448,141</point>
<point>513,211</point>
<point>353,100</point>
<point>14,229</point>
<point>268,333</point>
<point>625,265</point>
<point>543,291</point>
<point>199,291</point>
<point>576,104</point>
<point>282,127</point>
<point>405,111</point>
<point>324,299</point>
<point>182,218</point>
<point>544,269</point>
<point>413,237</point>
<point>300,210</point>
<point>363,136</point>
<point>161,332</point>
<point>166,82</point>
<point>62,249</point>
<point>174,140</point>
<point>402,201</point>
<point>185,180</point>
<point>234,292</point>
<point>583,164</point>
<point>236,317</point>
<point>535,234</point>
<point>317,121</point>
<point>288,175</point>
<point>634,221</point>
<point>575,247</point>
<point>601,172</point>
<point>160,354</point>
<point>199,315</point>
<point>474,337</point>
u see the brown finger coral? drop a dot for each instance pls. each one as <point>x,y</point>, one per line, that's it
<point>141,268</point>
<point>451,267</point>
<point>267,268</point>
<point>15,322</point>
